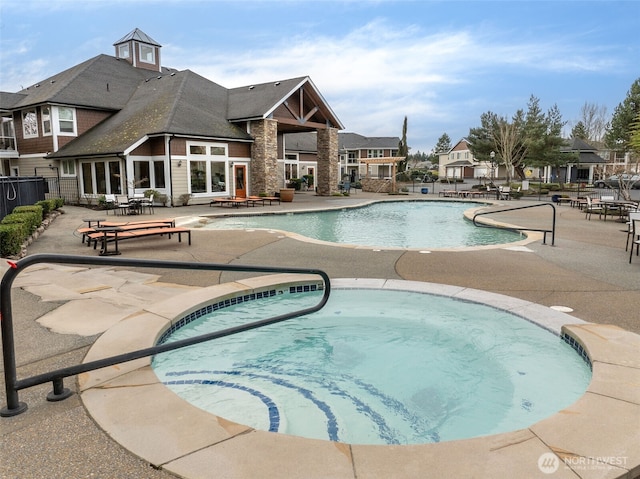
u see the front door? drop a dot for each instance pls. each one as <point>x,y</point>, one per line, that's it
<point>240,174</point>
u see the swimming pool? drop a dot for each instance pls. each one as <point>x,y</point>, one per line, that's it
<point>427,369</point>
<point>391,224</point>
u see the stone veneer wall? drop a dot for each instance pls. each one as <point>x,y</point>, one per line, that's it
<point>264,157</point>
<point>376,185</point>
<point>327,174</point>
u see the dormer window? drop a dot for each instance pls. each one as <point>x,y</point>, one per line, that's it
<point>147,54</point>
<point>123,51</point>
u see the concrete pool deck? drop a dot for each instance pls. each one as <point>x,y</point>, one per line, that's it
<point>587,271</point>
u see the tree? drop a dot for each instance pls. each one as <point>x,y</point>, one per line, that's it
<point>592,124</point>
<point>579,131</point>
<point>444,144</point>
<point>531,139</point>
<point>618,135</point>
<point>622,134</point>
<point>403,149</point>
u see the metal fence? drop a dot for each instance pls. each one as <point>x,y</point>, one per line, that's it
<point>20,191</point>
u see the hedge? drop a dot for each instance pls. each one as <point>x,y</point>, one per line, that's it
<point>16,227</point>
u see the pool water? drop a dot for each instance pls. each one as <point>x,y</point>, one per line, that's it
<point>376,367</point>
<point>397,224</point>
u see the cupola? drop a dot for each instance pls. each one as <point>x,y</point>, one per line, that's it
<point>140,50</point>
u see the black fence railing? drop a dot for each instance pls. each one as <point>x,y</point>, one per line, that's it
<point>13,384</point>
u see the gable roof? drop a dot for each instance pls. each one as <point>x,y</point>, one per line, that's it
<point>181,103</point>
<point>259,101</point>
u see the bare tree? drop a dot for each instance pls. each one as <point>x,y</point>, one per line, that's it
<point>594,120</point>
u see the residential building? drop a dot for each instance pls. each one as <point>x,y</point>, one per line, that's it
<point>125,124</point>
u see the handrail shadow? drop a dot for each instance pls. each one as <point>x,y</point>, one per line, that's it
<point>13,385</point>
<point>541,230</point>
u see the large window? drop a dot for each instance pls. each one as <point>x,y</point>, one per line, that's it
<point>101,177</point>
<point>375,153</point>
<point>207,168</point>
<point>30,124</point>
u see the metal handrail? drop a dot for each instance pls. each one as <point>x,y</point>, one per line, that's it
<point>13,385</point>
<point>545,231</point>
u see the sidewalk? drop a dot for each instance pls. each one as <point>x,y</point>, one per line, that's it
<point>587,270</point>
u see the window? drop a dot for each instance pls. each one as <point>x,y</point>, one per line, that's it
<point>46,120</point>
<point>375,153</point>
<point>207,168</point>
<point>29,124</point>
<point>123,51</point>
<point>66,120</point>
<point>141,174</point>
<point>158,174</point>
<point>147,54</point>
<point>68,167</point>
<point>100,177</point>
<point>352,157</point>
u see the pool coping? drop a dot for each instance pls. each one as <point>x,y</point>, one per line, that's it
<point>530,236</point>
<point>596,434</point>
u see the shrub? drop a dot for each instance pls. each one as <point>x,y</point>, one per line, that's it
<point>37,209</point>
<point>30,221</point>
<point>11,239</point>
<point>47,207</point>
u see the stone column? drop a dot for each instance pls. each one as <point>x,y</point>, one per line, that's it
<point>328,162</point>
<point>264,157</point>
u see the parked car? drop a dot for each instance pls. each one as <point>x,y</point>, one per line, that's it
<point>613,181</point>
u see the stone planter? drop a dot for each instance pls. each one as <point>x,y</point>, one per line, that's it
<point>286,194</point>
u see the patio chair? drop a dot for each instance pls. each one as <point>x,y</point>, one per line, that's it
<point>635,235</point>
<point>110,203</point>
<point>122,204</point>
<point>147,202</point>
<point>633,215</point>
<point>504,192</point>
<point>592,207</point>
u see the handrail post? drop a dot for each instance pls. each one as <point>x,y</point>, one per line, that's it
<point>544,241</point>
<point>14,406</point>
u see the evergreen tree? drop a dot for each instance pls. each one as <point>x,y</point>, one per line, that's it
<point>618,136</point>
<point>444,144</point>
<point>579,131</point>
<point>403,149</point>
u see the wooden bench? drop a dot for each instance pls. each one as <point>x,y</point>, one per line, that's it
<point>234,202</point>
<point>121,235</point>
<point>167,222</point>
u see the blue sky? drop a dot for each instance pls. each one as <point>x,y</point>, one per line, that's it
<point>440,63</point>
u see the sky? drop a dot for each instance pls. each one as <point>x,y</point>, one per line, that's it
<point>440,64</point>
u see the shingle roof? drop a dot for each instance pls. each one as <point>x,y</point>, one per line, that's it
<point>256,101</point>
<point>179,103</point>
<point>586,153</point>
<point>260,100</point>
<point>354,141</point>
<point>102,82</point>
